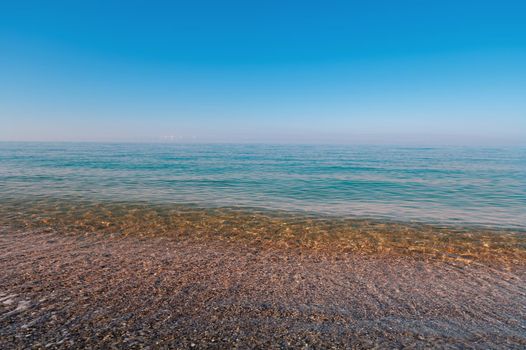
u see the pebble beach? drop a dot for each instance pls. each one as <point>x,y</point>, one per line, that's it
<point>114,291</point>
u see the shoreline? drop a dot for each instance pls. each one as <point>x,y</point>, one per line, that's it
<point>279,229</point>
<point>100,289</point>
<point>59,208</point>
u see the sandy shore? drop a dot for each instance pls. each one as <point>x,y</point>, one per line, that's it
<point>98,291</point>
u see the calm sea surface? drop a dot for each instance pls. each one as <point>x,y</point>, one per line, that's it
<point>459,186</point>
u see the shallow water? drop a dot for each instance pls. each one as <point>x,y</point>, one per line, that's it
<point>444,185</point>
<point>441,202</point>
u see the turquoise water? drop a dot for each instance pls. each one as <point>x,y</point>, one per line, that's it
<point>445,185</point>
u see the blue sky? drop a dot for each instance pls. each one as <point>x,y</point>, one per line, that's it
<point>444,72</point>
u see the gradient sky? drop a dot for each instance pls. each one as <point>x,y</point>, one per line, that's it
<point>445,72</point>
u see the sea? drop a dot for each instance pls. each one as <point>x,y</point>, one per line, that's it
<point>466,186</point>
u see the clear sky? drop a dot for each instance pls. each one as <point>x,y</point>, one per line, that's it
<point>446,72</point>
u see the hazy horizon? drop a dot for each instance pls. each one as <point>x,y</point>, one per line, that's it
<point>419,141</point>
